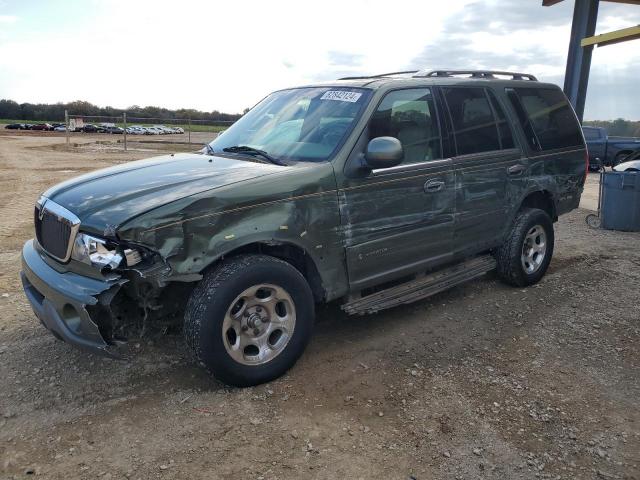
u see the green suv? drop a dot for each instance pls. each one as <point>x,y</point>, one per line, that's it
<point>371,191</point>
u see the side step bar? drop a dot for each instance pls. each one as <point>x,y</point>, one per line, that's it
<point>422,287</point>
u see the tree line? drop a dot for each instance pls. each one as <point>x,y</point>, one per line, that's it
<point>618,127</point>
<point>55,112</point>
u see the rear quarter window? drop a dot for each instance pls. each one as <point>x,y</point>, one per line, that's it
<point>549,116</point>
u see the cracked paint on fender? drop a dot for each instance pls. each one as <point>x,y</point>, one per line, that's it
<point>296,205</point>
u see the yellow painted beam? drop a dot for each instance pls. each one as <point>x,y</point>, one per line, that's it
<point>610,38</point>
<point>548,3</point>
<point>631,2</point>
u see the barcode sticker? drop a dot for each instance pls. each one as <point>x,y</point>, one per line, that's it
<point>341,96</point>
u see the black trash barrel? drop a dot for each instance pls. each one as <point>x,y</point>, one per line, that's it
<point>621,201</point>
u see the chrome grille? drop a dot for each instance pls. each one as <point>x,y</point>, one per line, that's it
<point>56,228</point>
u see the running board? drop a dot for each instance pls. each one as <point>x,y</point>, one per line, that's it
<point>422,287</point>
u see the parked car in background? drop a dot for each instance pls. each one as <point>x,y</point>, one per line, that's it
<point>178,130</point>
<point>631,166</point>
<point>60,128</point>
<point>163,129</point>
<point>136,130</point>
<point>630,163</point>
<point>152,131</point>
<point>15,126</point>
<point>91,128</point>
<point>372,191</point>
<point>43,127</point>
<point>28,126</point>
<point>114,129</point>
<point>605,150</point>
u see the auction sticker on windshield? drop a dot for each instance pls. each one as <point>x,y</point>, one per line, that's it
<point>341,95</point>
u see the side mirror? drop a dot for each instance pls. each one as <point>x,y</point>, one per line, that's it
<point>384,152</point>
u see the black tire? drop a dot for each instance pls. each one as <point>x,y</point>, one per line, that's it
<point>508,257</point>
<point>213,297</point>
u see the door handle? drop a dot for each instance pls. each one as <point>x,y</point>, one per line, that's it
<point>433,186</point>
<point>515,170</point>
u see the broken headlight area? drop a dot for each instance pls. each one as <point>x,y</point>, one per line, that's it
<point>103,254</point>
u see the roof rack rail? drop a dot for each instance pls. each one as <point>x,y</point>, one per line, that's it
<point>380,75</point>
<point>484,74</point>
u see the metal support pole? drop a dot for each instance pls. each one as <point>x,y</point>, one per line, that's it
<point>576,79</point>
<point>66,123</point>
<point>189,131</point>
<point>124,121</point>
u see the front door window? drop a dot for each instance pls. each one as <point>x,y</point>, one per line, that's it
<point>409,115</point>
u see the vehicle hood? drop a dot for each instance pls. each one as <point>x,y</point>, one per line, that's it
<point>106,198</point>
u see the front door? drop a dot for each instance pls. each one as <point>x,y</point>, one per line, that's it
<point>399,220</point>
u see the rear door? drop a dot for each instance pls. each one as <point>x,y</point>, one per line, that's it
<point>487,167</point>
<point>399,220</point>
<point>557,152</point>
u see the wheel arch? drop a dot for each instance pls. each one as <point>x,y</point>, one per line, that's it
<point>620,154</point>
<point>289,252</point>
<point>542,199</point>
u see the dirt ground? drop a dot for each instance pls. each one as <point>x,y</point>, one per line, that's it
<point>483,381</point>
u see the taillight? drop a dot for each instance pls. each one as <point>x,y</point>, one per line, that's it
<point>586,165</point>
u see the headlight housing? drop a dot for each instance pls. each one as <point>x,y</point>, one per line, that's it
<point>95,252</point>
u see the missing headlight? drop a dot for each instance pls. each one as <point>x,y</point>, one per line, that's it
<point>94,251</point>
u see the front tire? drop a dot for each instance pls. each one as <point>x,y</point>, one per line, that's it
<point>525,255</point>
<point>249,319</point>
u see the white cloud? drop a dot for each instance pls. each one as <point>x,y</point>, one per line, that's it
<point>228,55</point>
<point>208,55</point>
<point>8,19</point>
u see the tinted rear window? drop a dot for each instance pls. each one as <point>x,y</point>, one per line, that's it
<point>550,117</point>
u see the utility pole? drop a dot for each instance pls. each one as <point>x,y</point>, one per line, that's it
<point>124,121</point>
<point>66,123</point>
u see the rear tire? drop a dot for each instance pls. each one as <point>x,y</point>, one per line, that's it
<point>525,255</point>
<point>249,319</point>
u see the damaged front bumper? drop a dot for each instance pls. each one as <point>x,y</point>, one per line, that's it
<point>62,300</point>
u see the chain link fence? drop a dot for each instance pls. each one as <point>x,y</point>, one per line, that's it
<point>146,129</point>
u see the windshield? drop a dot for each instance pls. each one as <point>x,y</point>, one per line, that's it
<point>307,124</point>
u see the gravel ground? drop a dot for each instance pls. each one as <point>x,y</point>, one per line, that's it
<point>483,381</point>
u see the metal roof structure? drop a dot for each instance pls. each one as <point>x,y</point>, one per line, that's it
<point>583,39</point>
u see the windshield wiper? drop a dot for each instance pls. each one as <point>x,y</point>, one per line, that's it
<point>254,152</point>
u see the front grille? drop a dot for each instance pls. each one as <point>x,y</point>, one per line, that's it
<point>55,227</point>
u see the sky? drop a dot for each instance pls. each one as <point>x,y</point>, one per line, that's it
<point>226,56</point>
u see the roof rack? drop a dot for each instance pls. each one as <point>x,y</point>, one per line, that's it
<point>484,74</point>
<point>380,75</point>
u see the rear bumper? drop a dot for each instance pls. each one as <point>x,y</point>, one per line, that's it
<point>60,300</point>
